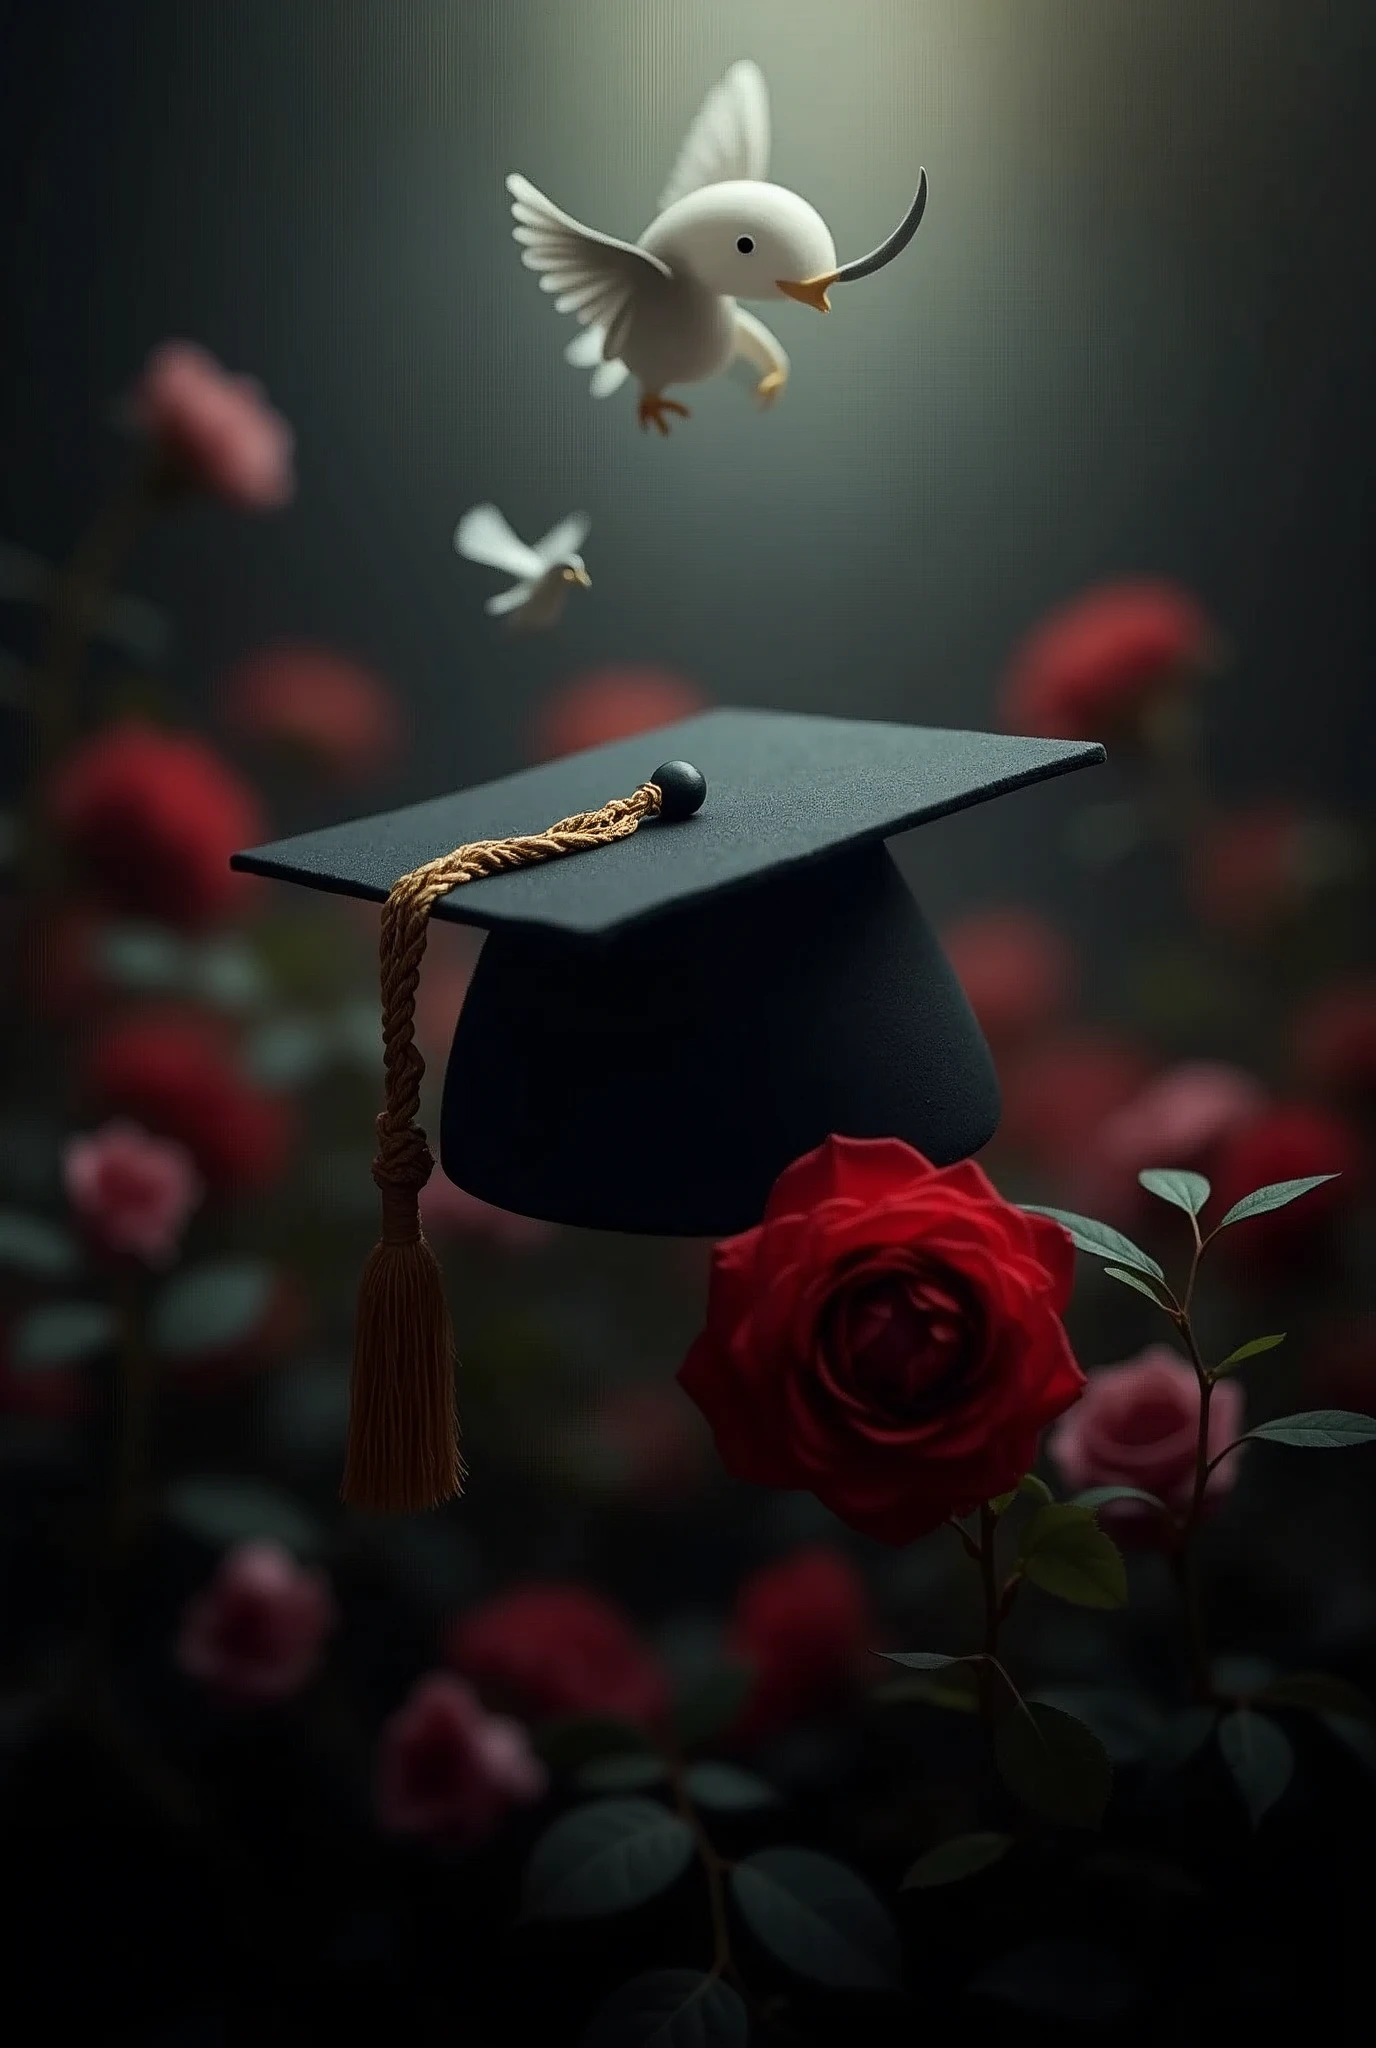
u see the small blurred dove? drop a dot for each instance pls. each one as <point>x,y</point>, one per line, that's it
<point>545,573</point>
<point>663,310</point>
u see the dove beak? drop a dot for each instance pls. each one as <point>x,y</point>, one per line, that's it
<point>808,291</point>
<point>572,575</point>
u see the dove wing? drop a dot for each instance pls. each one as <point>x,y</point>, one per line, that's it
<point>592,275</point>
<point>508,600</point>
<point>482,535</point>
<point>564,539</point>
<point>729,137</point>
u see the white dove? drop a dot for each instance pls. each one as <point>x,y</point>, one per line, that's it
<point>663,310</point>
<point>545,573</point>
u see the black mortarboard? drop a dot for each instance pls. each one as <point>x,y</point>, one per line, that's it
<point>653,1032</point>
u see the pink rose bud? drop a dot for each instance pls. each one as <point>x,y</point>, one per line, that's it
<point>255,1634</point>
<point>132,1193</point>
<point>1137,1424</point>
<point>213,431</point>
<point>447,1768</point>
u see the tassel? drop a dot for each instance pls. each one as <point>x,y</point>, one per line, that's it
<point>403,1444</point>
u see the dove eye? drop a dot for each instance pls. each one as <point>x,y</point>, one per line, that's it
<point>746,244</point>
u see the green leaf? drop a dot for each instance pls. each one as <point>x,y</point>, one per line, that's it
<point>963,1856</point>
<point>709,1705</point>
<point>1259,1759</point>
<point>211,1307</point>
<point>920,1660</point>
<point>1276,1196</point>
<point>143,957</point>
<point>61,1333</point>
<point>1064,1980</point>
<point>670,2009</point>
<point>629,1771</point>
<point>285,1052</point>
<point>33,1245</point>
<point>1054,1764</point>
<point>1319,1429</point>
<point>1101,1239</point>
<point>605,1858</point>
<point>1317,1693</point>
<point>1065,1552</point>
<point>954,1691</point>
<point>576,1740</point>
<point>1357,1735</point>
<point>227,1511</point>
<point>1030,1486</point>
<point>1096,1497</point>
<point>1253,1349</point>
<point>818,1918</point>
<point>1187,1191</point>
<point>723,1788</point>
<point>1137,1283</point>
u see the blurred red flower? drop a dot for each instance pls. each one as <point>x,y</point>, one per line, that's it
<point>255,1634</point>
<point>55,1393</point>
<point>1057,1096</point>
<point>611,703</point>
<point>889,1338</point>
<point>805,1627</point>
<point>447,1768</point>
<point>1288,1142</point>
<point>656,1442</point>
<point>1334,1038</point>
<point>175,1072</point>
<point>63,968</point>
<point>131,1192</point>
<point>313,704</point>
<point>1262,863</point>
<point>542,1650</point>
<point>1137,1424</point>
<point>1094,667</point>
<point>1182,1116</point>
<point>154,817</point>
<point>213,431</point>
<point>1340,1366</point>
<point>449,1211</point>
<point>1017,969</point>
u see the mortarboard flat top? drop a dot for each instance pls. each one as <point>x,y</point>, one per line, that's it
<point>783,791</point>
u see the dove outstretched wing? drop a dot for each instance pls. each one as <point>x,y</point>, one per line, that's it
<point>590,274</point>
<point>563,540</point>
<point>729,137</point>
<point>482,535</point>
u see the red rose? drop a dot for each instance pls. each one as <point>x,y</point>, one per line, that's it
<point>889,1337</point>
<point>448,1769</point>
<point>1016,968</point>
<point>547,1650</point>
<point>1138,1425</point>
<point>1093,668</point>
<point>154,816</point>
<point>1289,1142</point>
<point>611,704</point>
<point>1261,864</point>
<point>805,1627</point>
<point>175,1072</point>
<point>1335,1039</point>
<point>255,1634</point>
<point>309,702</point>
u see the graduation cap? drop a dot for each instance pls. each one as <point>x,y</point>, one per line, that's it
<point>735,971</point>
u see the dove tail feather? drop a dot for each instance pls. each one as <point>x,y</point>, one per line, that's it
<point>607,378</point>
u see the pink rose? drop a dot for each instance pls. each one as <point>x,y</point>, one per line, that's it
<point>131,1192</point>
<point>311,704</point>
<point>1182,1116</point>
<point>256,1632</point>
<point>213,431</point>
<point>1138,1425</point>
<point>448,1768</point>
<point>612,703</point>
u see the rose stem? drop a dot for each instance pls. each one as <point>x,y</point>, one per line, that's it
<point>988,1521</point>
<point>714,1868</point>
<point>1187,1556</point>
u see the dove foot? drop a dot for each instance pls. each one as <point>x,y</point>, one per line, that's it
<point>653,407</point>
<point>769,387</point>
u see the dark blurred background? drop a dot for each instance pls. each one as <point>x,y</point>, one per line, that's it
<point>1133,340</point>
